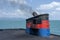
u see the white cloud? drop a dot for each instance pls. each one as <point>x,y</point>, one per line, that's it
<point>15,9</point>
<point>55,15</point>
<point>19,1</point>
<point>15,14</point>
<point>48,6</point>
<point>52,8</point>
<point>58,8</point>
<point>44,7</point>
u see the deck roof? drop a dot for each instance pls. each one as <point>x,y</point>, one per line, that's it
<point>21,35</point>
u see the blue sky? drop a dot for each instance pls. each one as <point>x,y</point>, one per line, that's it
<point>24,8</point>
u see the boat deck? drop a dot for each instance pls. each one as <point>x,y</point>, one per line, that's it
<point>21,35</point>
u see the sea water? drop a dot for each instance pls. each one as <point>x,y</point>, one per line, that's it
<point>55,27</point>
<point>10,24</point>
<point>14,24</point>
